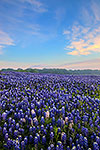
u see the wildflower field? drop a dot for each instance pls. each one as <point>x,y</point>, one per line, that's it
<point>49,111</point>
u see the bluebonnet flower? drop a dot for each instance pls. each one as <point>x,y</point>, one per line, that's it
<point>51,128</point>
<point>57,147</point>
<point>52,146</point>
<point>51,135</point>
<point>38,136</point>
<point>63,137</point>
<point>26,140</point>
<point>20,138</point>
<point>42,127</point>
<point>4,115</point>
<point>4,130</point>
<point>85,142</point>
<point>5,146</point>
<point>39,112</point>
<point>0,129</point>
<point>23,145</point>
<point>53,120</point>
<point>59,130</point>
<point>36,140</point>
<point>98,127</point>
<point>42,120</point>
<point>98,140</point>
<point>78,147</point>
<point>33,113</point>
<point>43,140</point>
<point>49,148</point>
<point>9,142</point>
<point>15,133</point>
<point>81,140</point>
<point>95,146</point>
<point>68,148</point>
<point>60,145</point>
<point>6,136</point>
<point>30,138</point>
<point>5,125</point>
<point>59,122</point>
<point>74,148</point>
<point>70,140</point>
<point>77,141</point>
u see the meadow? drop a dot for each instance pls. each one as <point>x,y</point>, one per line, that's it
<point>49,111</point>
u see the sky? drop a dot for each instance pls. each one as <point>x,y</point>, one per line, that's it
<point>50,34</point>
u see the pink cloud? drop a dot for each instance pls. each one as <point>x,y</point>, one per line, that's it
<point>88,64</point>
<point>84,40</point>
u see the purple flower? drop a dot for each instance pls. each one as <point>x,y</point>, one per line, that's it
<point>59,130</point>
<point>4,115</point>
<point>19,137</point>
<point>53,120</point>
<point>43,140</point>
<point>42,120</point>
<point>63,137</point>
<point>51,128</point>
<point>59,122</point>
<point>38,136</point>
<point>30,138</point>
<point>36,140</point>
<point>78,147</point>
<point>15,133</point>
<point>74,148</point>
<point>4,130</point>
<point>25,140</point>
<point>51,135</point>
<point>6,136</point>
<point>42,127</point>
<point>68,148</point>
<point>22,145</point>
<point>95,146</point>
<point>52,146</point>
<point>85,142</point>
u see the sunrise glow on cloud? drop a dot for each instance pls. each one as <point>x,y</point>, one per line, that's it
<point>50,34</point>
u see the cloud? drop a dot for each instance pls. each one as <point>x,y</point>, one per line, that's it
<point>39,66</point>
<point>88,64</point>
<point>60,13</point>
<point>96,9</point>
<point>14,65</point>
<point>24,65</point>
<point>36,6</point>
<point>1,47</point>
<point>85,39</point>
<point>5,40</point>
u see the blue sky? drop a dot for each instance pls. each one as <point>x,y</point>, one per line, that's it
<point>50,34</point>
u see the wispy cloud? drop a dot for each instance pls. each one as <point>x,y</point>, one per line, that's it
<point>85,40</point>
<point>1,47</point>
<point>5,40</point>
<point>36,5</point>
<point>14,65</point>
<point>88,64</point>
<point>34,29</point>
<point>96,9</point>
<point>24,65</point>
<point>60,13</point>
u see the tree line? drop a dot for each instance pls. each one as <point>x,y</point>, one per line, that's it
<point>55,71</point>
